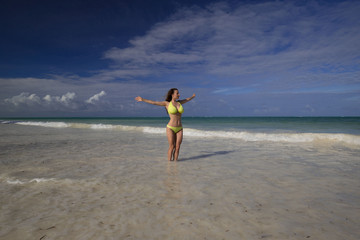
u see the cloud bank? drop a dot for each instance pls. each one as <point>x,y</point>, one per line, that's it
<point>235,41</point>
<point>67,101</point>
<point>23,99</point>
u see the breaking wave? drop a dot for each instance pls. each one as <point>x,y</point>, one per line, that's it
<point>277,137</point>
<point>293,137</point>
<point>45,124</point>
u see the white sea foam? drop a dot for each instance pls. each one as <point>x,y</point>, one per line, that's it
<point>153,130</point>
<point>40,180</point>
<point>17,181</point>
<point>7,122</point>
<point>45,124</point>
<point>101,126</point>
<point>111,127</point>
<point>35,180</point>
<point>189,132</point>
<point>267,137</point>
<point>276,137</point>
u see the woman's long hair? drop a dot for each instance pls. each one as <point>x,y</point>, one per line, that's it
<point>168,97</point>
<point>169,94</point>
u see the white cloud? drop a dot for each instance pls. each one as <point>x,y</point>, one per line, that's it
<point>23,99</point>
<point>96,97</point>
<point>34,101</point>
<point>167,43</point>
<point>264,38</point>
<point>67,101</point>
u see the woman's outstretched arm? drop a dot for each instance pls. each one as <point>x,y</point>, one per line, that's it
<point>140,99</point>
<point>187,99</point>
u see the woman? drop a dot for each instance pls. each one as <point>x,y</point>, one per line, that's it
<point>174,129</point>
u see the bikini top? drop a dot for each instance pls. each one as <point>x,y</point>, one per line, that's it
<point>173,110</point>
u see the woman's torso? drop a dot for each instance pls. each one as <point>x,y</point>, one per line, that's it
<point>175,118</point>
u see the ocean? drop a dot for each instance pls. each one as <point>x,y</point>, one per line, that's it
<point>236,178</point>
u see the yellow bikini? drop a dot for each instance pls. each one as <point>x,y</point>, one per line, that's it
<point>173,110</point>
<point>175,129</point>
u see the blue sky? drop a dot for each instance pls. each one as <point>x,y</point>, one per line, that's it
<point>241,58</point>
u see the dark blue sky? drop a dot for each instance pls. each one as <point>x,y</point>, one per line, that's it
<point>241,58</point>
<point>45,37</point>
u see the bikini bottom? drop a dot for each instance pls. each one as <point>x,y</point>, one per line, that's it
<point>175,129</point>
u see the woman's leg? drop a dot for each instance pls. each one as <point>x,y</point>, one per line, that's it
<point>171,136</point>
<point>178,141</point>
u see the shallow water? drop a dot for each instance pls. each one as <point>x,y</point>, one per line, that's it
<point>83,183</point>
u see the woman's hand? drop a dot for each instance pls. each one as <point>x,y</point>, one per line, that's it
<point>139,99</point>
<point>187,99</point>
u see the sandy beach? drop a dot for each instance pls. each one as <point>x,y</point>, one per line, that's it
<point>82,184</point>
